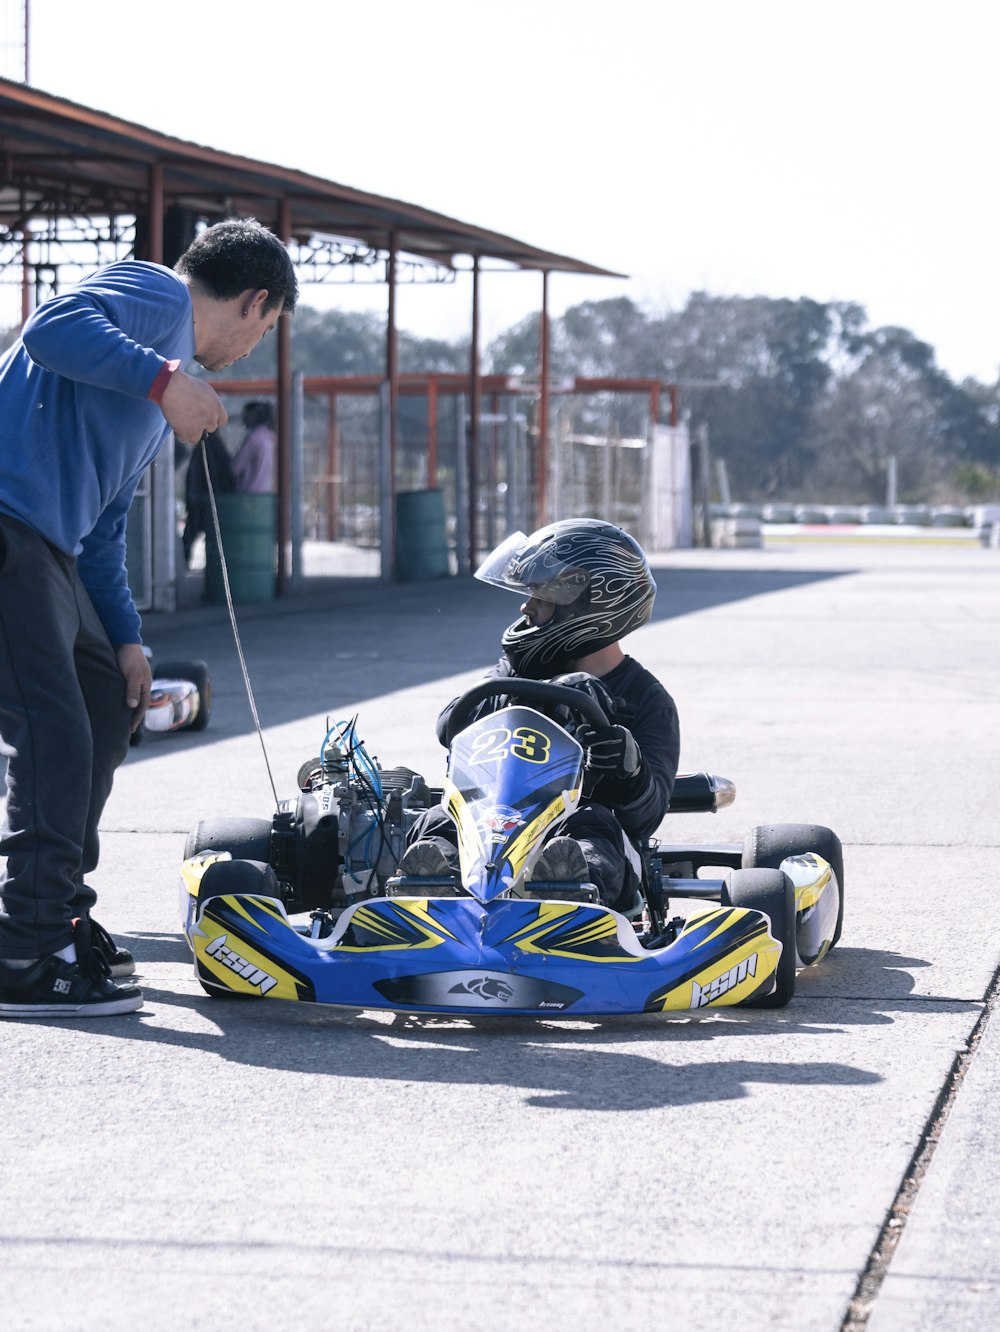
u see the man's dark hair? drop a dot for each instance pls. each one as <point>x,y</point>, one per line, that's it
<point>241,255</point>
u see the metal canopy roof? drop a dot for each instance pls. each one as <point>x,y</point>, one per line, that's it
<point>61,159</point>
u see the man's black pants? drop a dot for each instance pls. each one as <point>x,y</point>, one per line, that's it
<point>64,730</point>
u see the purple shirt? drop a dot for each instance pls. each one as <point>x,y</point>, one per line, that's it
<point>253,466</point>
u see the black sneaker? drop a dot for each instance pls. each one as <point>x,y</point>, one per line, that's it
<point>562,861</point>
<point>430,858</point>
<point>120,961</point>
<point>53,987</point>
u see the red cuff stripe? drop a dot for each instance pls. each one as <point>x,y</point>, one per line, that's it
<point>163,377</point>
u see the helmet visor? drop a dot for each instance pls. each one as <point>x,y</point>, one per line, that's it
<point>519,565</point>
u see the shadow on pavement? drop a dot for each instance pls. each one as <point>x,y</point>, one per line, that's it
<point>557,1067</point>
<point>349,643</point>
<point>560,1063</point>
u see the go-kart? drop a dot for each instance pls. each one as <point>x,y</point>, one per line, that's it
<point>491,937</point>
<point>180,698</point>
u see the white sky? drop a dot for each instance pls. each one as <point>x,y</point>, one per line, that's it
<point>836,149</point>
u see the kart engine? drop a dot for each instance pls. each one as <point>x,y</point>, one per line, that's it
<point>343,836</point>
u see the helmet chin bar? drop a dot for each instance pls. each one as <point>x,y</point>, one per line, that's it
<point>534,649</point>
<point>540,651</point>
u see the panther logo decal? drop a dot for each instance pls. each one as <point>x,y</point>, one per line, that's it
<point>485,987</point>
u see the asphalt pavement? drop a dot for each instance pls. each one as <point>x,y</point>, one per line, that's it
<point>210,1164</point>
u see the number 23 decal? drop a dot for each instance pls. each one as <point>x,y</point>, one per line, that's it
<point>524,743</point>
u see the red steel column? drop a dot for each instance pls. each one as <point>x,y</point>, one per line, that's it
<point>284,424</point>
<point>432,431</point>
<point>332,470</point>
<point>154,215</point>
<point>475,397</point>
<point>392,374</point>
<point>25,280</point>
<point>542,456</point>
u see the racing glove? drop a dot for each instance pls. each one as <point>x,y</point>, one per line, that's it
<point>588,684</point>
<point>611,751</point>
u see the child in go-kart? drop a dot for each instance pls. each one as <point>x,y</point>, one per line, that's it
<point>587,584</point>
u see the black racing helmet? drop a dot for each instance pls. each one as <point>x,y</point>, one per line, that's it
<point>595,574</point>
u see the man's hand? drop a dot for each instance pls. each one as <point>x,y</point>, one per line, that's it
<point>138,680</point>
<point>611,750</point>
<point>191,406</point>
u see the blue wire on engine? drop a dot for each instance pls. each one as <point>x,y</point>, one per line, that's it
<point>365,770</point>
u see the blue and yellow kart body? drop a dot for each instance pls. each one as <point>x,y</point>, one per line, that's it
<point>455,954</point>
<point>494,939</point>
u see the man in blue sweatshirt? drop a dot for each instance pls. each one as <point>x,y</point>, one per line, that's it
<point>88,395</point>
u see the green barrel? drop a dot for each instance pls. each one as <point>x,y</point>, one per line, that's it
<point>421,536</point>
<point>247,524</point>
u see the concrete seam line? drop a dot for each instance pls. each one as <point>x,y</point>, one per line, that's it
<point>880,1259</point>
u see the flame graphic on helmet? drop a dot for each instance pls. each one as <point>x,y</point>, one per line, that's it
<point>597,576</point>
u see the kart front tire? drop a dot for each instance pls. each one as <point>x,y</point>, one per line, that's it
<point>244,839</point>
<point>197,672</point>
<point>246,877</point>
<point>234,876</point>
<point>771,843</point>
<point>770,891</point>
<point>214,993</point>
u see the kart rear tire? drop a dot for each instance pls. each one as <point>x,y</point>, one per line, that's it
<point>197,673</point>
<point>244,839</point>
<point>246,877</point>
<point>768,845</point>
<point>770,891</point>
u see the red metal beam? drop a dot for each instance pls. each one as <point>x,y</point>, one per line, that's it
<point>450,381</point>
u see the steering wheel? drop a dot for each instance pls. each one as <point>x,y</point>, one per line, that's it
<point>524,691</point>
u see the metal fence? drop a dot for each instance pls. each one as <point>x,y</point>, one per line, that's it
<point>590,473</point>
<point>340,526</point>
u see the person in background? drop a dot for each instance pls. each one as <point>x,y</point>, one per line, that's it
<point>587,584</point>
<point>88,395</point>
<point>253,466</point>
<point>198,508</point>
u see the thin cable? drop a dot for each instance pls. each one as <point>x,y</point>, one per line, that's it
<point>203,444</point>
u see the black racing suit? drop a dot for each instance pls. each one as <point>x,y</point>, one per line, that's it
<point>615,814</point>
